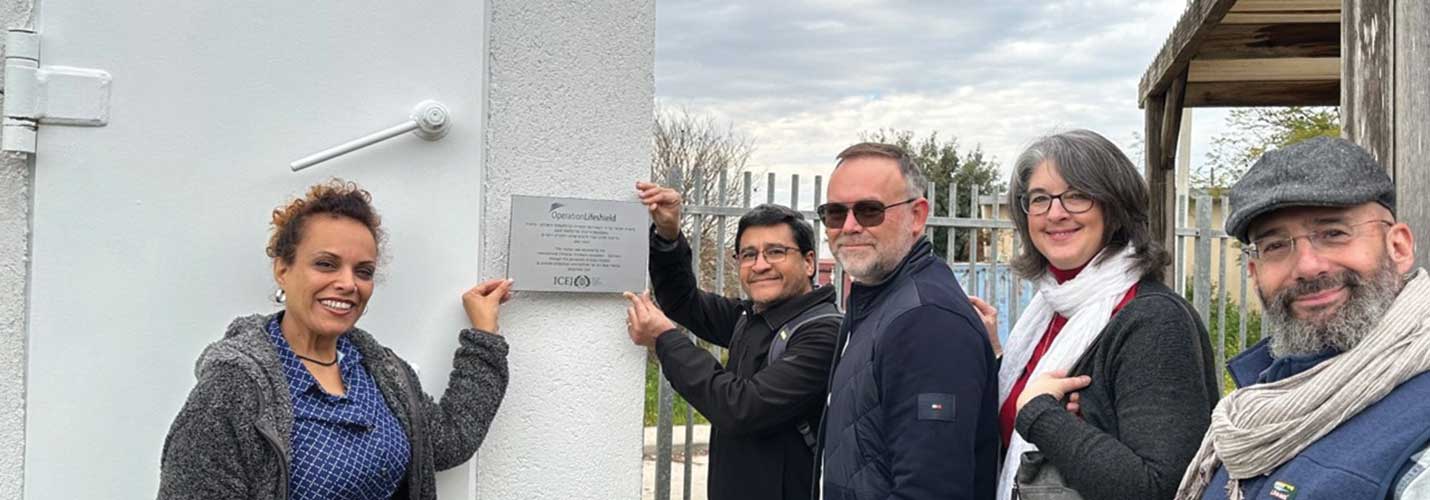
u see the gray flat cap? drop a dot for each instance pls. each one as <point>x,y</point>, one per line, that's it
<point>1320,172</point>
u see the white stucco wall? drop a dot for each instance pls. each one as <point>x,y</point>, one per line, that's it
<point>15,188</point>
<point>571,92</point>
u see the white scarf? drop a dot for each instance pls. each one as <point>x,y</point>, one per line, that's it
<point>1258,428</point>
<point>1087,302</point>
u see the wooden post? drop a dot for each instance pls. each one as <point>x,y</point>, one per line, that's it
<point>1161,183</point>
<point>1385,60</point>
<point>1164,118</point>
<point>1412,120</point>
<point>1368,77</point>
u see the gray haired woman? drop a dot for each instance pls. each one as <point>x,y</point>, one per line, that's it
<point>1107,376</point>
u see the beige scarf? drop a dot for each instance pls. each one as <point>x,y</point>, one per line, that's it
<point>1258,428</point>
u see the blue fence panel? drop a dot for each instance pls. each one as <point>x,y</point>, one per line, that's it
<point>1004,278</point>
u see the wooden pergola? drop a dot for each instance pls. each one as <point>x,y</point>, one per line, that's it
<point>1351,53</point>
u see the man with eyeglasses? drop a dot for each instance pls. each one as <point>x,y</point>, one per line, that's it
<point>1335,402</point>
<point>765,403</point>
<point>912,404</point>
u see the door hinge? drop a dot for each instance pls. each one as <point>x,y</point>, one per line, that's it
<point>57,95</point>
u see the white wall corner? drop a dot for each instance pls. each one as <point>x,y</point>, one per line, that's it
<point>570,103</point>
<point>16,185</point>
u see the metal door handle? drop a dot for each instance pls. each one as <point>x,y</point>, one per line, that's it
<point>430,120</point>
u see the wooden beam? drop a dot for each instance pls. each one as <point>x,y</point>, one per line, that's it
<point>1285,5</point>
<point>1367,94</point>
<point>1265,70</point>
<point>1172,120</point>
<point>1264,41</point>
<point>1181,45</point>
<point>1251,94</point>
<point>1282,18</point>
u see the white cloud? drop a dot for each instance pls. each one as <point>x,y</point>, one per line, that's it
<point>804,79</point>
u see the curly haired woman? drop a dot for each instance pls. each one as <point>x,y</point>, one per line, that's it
<point>301,404</point>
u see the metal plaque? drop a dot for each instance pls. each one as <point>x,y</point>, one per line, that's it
<point>577,245</point>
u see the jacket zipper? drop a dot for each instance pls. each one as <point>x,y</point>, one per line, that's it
<point>272,439</point>
<point>414,466</point>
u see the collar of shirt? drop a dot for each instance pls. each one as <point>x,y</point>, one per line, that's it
<point>783,311</point>
<point>1282,368</point>
<point>309,398</point>
<point>1255,365</point>
<point>863,297</point>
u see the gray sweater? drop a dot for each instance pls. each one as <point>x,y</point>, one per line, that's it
<point>1150,402</point>
<point>231,439</point>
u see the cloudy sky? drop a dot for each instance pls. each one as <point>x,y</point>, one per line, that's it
<point>804,78</point>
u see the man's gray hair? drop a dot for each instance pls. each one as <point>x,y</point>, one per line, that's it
<point>915,184</point>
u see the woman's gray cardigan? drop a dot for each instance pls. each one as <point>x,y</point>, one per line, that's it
<point>1150,402</point>
<point>231,439</point>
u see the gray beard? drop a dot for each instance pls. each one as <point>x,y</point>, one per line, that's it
<point>1369,298</point>
<point>883,265</point>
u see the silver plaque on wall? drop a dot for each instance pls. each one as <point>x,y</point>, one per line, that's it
<point>578,245</point>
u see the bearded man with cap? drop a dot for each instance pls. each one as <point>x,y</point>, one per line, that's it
<point>1335,403</point>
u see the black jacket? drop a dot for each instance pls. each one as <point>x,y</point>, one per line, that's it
<point>1150,402</point>
<point>756,451</point>
<point>913,400</point>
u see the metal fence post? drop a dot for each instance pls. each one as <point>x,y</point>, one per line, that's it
<point>1180,247</point>
<point>973,241</point>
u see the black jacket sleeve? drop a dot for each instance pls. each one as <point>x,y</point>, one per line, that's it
<point>931,355</point>
<point>1160,395</point>
<point>707,315</point>
<point>783,390</point>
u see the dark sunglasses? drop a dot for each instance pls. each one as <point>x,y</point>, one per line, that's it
<point>868,213</point>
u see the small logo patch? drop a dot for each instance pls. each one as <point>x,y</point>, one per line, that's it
<point>935,406</point>
<point>1282,490</point>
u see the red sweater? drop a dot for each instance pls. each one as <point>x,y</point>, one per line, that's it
<point>1009,412</point>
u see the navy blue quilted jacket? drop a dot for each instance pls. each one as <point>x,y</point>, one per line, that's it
<point>913,398</point>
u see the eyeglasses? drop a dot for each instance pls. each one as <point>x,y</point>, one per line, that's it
<point>1327,238</point>
<point>868,213</point>
<point>1074,202</point>
<point>773,254</point>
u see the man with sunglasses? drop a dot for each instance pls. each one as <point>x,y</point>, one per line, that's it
<point>1335,402</point>
<point>912,404</point>
<point>765,403</point>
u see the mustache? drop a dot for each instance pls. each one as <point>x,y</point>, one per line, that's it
<point>854,239</point>
<point>1349,279</point>
<point>768,275</point>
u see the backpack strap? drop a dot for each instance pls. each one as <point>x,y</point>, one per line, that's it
<point>786,332</point>
<point>781,340</point>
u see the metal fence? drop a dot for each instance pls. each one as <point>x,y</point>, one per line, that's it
<point>985,274</point>
<point>1201,242</point>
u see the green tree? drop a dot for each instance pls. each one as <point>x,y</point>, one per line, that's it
<point>943,162</point>
<point>1251,132</point>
